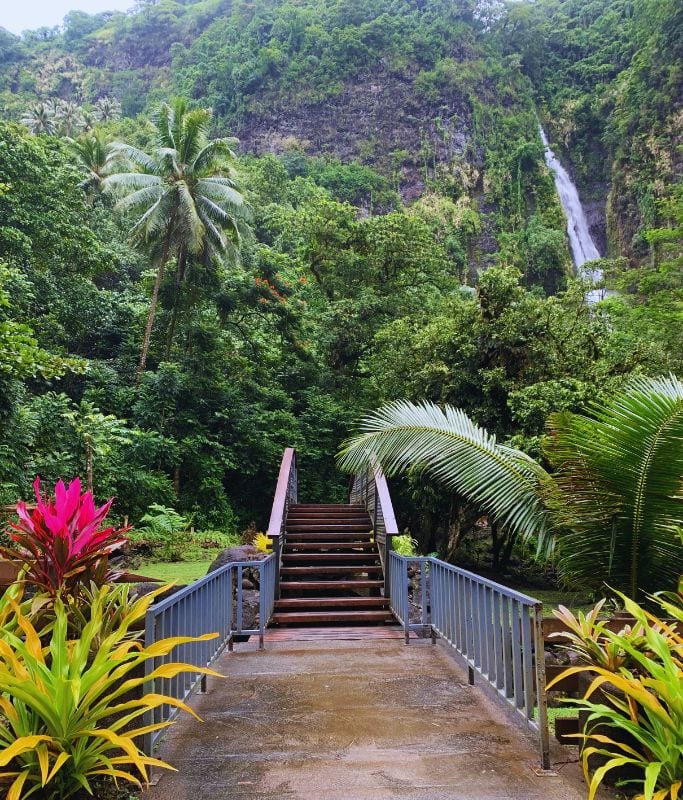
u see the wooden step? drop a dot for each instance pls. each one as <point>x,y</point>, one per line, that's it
<point>329,570</point>
<point>311,603</point>
<point>332,519</point>
<point>324,558</point>
<point>333,527</point>
<point>331,586</point>
<point>352,536</point>
<point>304,547</point>
<point>318,617</point>
<point>326,507</point>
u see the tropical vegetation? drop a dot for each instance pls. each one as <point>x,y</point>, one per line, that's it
<point>610,510</point>
<point>638,720</point>
<point>72,677</point>
<point>424,260</point>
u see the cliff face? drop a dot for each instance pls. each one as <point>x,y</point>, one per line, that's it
<point>379,119</point>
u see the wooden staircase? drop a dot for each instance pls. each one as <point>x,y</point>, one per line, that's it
<point>330,568</point>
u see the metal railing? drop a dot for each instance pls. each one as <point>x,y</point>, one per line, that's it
<point>370,489</point>
<point>497,631</point>
<point>213,604</point>
<point>286,493</point>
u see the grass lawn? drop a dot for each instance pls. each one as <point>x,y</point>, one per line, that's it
<point>177,571</point>
<point>561,711</point>
<point>552,598</point>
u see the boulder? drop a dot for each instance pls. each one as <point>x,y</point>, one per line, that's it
<point>245,552</point>
<point>250,582</point>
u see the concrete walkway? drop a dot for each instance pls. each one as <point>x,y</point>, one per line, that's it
<point>350,720</point>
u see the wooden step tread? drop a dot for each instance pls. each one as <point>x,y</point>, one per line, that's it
<point>333,519</point>
<point>343,569</point>
<point>297,586</point>
<point>328,537</point>
<point>332,527</point>
<point>331,602</point>
<point>293,617</point>
<point>342,558</point>
<point>299,506</point>
<point>304,547</point>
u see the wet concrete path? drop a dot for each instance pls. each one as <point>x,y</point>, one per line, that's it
<point>350,720</point>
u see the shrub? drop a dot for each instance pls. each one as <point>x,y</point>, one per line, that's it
<point>62,543</point>
<point>587,636</point>
<point>405,545</point>
<point>67,718</point>
<point>643,700</point>
<point>165,530</point>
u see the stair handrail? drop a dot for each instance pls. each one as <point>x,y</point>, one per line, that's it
<point>286,492</point>
<point>371,490</point>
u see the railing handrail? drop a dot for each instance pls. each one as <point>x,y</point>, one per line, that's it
<point>498,631</point>
<point>525,599</point>
<point>371,489</point>
<point>280,501</point>
<point>384,500</point>
<point>212,604</point>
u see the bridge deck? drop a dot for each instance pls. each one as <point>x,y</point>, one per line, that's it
<point>362,718</point>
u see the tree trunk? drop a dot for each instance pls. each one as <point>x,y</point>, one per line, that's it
<point>152,311</point>
<point>180,275</point>
<point>88,466</point>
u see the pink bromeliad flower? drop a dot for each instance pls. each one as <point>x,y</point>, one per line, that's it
<point>62,542</point>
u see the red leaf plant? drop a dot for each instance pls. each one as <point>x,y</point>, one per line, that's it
<point>61,543</point>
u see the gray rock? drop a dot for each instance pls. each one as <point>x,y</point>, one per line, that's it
<point>245,552</point>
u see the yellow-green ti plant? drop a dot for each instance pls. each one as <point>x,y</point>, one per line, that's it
<point>586,636</point>
<point>647,705</point>
<point>67,705</point>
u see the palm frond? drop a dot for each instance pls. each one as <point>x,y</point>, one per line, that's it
<point>122,183</point>
<point>221,180</point>
<point>136,157</point>
<point>195,125</point>
<point>140,200</point>
<point>446,444</point>
<point>168,156</point>
<point>216,238</point>
<point>217,153</point>
<point>220,192</point>
<point>215,211</point>
<point>164,121</point>
<point>189,220</point>
<point>620,481</point>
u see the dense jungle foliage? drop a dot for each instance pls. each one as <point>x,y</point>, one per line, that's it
<point>402,238</point>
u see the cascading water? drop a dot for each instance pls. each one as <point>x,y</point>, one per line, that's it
<point>580,240</point>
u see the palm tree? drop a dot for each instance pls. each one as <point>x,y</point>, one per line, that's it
<point>39,119</point>
<point>107,109</point>
<point>182,197</point>
<point>96,156</point>
<point>611,509</point>
<point>70,117</point>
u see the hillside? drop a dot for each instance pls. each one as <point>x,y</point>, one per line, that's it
<point>405,237</point>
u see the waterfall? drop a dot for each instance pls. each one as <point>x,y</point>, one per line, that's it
<point>580,240</point>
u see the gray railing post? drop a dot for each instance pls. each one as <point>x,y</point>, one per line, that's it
<point>405,601</point>
<point>261,606</point>
<point>277,552</point>
<point>148,716</point>
<point>541,699</point>
<point>388,547</point>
